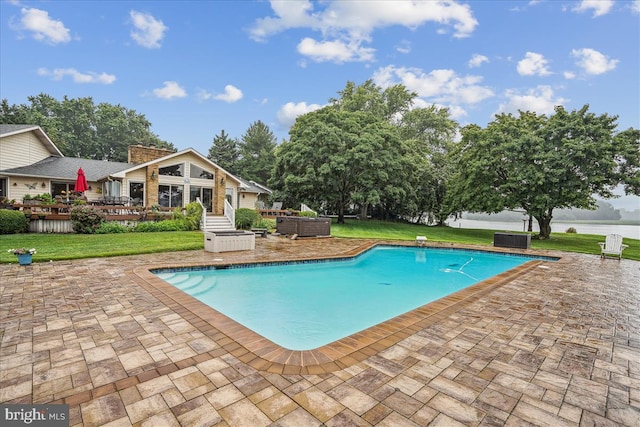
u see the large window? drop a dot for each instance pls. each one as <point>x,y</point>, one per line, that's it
<point>136,192</point>
<point>205,194</point>
<point>170,196</point>
<point>60,188</point>
<point>173,170</point>
<point>198,172</point>
<point>111,188</point>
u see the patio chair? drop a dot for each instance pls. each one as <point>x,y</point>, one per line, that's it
<point>612,246</point>
<point>276,206</point>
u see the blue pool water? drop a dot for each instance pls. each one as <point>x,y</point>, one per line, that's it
<point>302,306</point>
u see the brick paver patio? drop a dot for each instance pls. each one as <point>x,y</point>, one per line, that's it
<point>555,344</point>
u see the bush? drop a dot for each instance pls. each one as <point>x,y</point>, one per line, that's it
<point>166,225</point>
<point>12,222</point>
<point>269,224</point>
<point>111,227</point>
<point>192,217</point>
<point>245,218</point>
<point>308,214</point>
<point>571,230</point>
<point>86,219</point>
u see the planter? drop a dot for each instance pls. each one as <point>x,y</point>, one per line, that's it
<point>24,259</point>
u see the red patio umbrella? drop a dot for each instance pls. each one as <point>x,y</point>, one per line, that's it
<point>81,182</point>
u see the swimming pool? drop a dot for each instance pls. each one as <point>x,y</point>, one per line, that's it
<point>305,305</point>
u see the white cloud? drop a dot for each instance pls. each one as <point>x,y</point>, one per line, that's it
<point>599,7</point>
<point>43,27</point>
<point>78,77</point>
<point>352,22</point>
<point>170,90</point>
<point>439,86</point>
<point>405,46</point>
<point>569,75</point>
<point>592,61</point>
<point>635,6</point>
<point>540,100</point>
<point>335,51</point>
<point>533,64</point>
<point>148,31</point>
<point>477,60</point>
<point>231,94</point>
<point>289,111</point>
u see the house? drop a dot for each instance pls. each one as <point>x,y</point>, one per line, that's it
<point>31,164</point>
<point>252,195</point>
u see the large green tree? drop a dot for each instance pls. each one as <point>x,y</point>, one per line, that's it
<point>82,129</point>
<point>334,157</point>
<point>430,132</point>
<point>257,153</point>
<point>224,152</point>
<point>539,163</point>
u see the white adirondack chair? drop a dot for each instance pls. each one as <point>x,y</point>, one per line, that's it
<point>612,246</point>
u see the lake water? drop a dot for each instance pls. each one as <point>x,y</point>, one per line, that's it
<point>630,231</point>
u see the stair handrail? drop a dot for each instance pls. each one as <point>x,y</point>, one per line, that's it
<point>230,213</point>
<point>203,217</point>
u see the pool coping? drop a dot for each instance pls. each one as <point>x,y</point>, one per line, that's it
<point>264,355</point>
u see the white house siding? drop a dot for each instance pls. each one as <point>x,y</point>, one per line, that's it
<point>248,200</point>
<point>22,149</point>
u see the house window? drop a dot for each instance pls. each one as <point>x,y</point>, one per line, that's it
<point>170,196</point>
<point>136,192</point>
<point>60,188</point>
<point>173,170</point>
<point>199,173</point>
<point>205,194</point>
<point>111,188</point>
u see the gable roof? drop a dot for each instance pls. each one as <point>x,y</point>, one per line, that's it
<point>9,130</point>
<point>67,168</point>
<point>253,187</point>
<point>132,167</point>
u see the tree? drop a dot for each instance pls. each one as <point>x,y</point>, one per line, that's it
<point>540,163</point>
<point>224,152</point>
<point>81,129</point>
<point>335,157</point>
<point>387,104</point>
<point>431,132</point>
<point>257,153</point>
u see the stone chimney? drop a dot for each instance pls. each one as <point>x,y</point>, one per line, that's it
<point>140,154</point>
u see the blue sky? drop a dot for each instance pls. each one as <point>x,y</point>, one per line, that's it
<point>195,68</point>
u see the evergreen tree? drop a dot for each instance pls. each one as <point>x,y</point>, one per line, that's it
<point>224,152</point>
<point>257,153</point>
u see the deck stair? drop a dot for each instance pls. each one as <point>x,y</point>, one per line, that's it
<point>215,223</point>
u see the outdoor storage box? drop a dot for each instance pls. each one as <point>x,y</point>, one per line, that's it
<point>303,227</point>
<point>512,240</point>
<point>226,241</point>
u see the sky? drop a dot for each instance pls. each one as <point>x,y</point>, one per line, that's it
<point>195,68</point>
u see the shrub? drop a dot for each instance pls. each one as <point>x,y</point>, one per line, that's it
<point>269,224</point>
<point>111,227</point>
<point>308,214</point>
<point>166,225</point>
<point>191,215</point>
<point>571,230</point>
<point>86,219</point>
<point>245,218</point>
<point>12,222</point>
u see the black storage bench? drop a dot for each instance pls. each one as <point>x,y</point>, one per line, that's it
<point>512,240</point>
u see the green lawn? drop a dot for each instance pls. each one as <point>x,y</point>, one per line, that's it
<point>74,246</point>
<point>569,242</point>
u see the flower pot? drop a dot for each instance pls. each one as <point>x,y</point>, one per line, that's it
<point>24,259</point>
